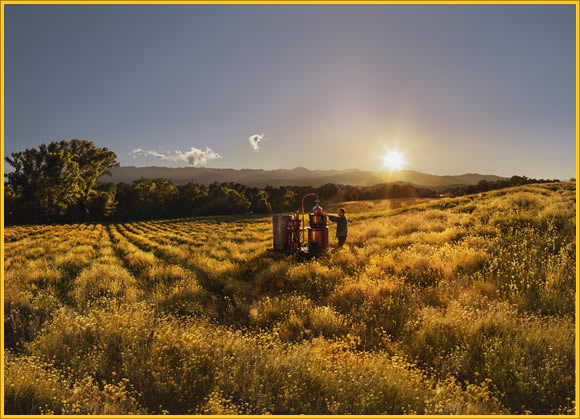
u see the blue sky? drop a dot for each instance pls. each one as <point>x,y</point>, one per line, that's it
<point>456,88</point>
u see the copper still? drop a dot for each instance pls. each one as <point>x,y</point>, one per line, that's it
<point>318,230</point>
<point>289,230</point>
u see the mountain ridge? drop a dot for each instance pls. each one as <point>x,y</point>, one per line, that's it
<point>299,176</point>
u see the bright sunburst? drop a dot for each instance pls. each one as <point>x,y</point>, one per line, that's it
<point>394,160</point>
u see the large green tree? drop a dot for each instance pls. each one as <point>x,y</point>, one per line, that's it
<point>57,179</point>
<point>93,163</point>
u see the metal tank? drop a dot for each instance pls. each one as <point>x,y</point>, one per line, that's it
<point>318,230</point>
<point>280,234</point>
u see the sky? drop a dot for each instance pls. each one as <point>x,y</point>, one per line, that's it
<point>456,89</point>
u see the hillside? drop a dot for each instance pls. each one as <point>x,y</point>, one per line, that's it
<point>450,306</point>
<point>298,176</point>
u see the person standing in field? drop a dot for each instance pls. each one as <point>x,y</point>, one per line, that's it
<point>341,225</point>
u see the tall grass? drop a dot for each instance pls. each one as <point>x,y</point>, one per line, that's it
<point>450,306</point>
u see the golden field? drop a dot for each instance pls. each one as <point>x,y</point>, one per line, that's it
<point>451,306</point>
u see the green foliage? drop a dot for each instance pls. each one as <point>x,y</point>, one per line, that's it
<point>102,204</point>
<point>288,199</point>
<point>56,180</point>
<point>263,206</point>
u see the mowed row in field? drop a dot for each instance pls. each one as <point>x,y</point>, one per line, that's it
<point>461,305</point>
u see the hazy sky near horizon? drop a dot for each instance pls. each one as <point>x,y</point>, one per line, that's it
<point>456,88</point>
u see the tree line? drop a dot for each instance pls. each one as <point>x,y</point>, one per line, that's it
<point>60,182</point>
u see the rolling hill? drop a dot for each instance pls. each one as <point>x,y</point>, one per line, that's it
<point>298,176</point>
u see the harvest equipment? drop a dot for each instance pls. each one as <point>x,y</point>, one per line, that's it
<point>290,231</point>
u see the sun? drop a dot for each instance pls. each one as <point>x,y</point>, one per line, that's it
<point>393,160</point>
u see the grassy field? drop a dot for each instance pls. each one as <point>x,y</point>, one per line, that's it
<point>459,306</point>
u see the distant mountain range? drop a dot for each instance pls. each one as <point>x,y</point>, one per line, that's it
<point>299,176</point>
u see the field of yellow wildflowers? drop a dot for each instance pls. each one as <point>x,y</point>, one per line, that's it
<point>453,306</point>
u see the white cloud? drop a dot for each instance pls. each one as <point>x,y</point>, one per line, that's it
<point>197,157</point>
<point>194,156</point>
<point>156,154</point>
<point>255,141</point>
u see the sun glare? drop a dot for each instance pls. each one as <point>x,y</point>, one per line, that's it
<point>393,160</point>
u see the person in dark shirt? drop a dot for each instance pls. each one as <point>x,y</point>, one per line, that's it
<point>341,225</point>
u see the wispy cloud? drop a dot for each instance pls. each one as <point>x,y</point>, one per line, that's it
<point>195,156</point>
<point>255,141</point>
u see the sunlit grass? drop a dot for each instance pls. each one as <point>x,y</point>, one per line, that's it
<point>449,306</point>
